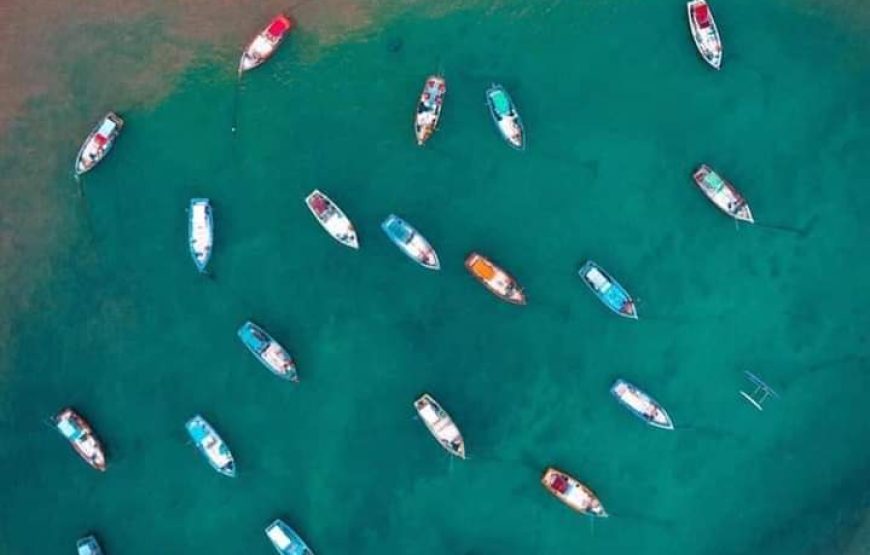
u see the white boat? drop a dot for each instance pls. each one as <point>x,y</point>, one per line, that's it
<point>704,32</point>
<point>200,232</point>
<point>572,492</point>
<point>266,43</point>
<point>88,546</point>
<point>98,143</point>
<point>429,108</point>
<point>641,405</point>
<point>332,219</point>
<point>440,425</point>
<point>723,194</point>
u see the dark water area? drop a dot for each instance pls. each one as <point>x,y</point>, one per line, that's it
<point>619,110</point>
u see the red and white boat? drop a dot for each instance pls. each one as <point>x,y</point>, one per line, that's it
<point>572,492</point>
<point>266,43</point>
<point>429,108</point>
<point>332,219</point>
<point>704,32</point>
<point>98,143</point>
<point>80,435</point>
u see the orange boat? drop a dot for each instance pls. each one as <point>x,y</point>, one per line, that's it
<point>266,43</point>
<point>572,492</point>
<point>499,282</point>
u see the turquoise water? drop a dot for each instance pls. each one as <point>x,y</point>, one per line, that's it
<point>619,109</point>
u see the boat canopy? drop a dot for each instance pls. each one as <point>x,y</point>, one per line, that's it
<point>501,102</point>
<point>198,432</point>
<point>483,269</point>
<point>702,14</point>
<point>400,230</point>
<point>559,483</point>
<point>278,537</point>
<point>318,203</point>
<point>106,129</point>
<point>429,414</point>
<point>713,181</point>
<point>598,280</point>
<point>278,26</point>
<point>69,429</point>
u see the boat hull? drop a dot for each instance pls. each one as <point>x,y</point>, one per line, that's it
<point>572,493</point>
<point>211,446</point>
<point>410,242</point>
<point>265,44</point>
<point>332,219</point>
<point>79,434</point>
<point>640,404</point>
<point>722,194</point>
<point>507,120</point>
<point>258,342</point>
<point>705,34</point>
<point>440,425</point>
<point>98,143</point>
<point>615,297</point>
<point>429,108</point>
<point>200,232</point>
<point>495,279</point>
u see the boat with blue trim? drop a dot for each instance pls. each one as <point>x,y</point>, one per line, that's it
<point>268,351</point>
<point>504,114</point>
<point>211,445</point>
<point>641,405</point>
<point>200,232</point>
<point>98,143</point>
<point>608,290</point>
<point>88,546</point>
<point>285,540</point>
<point>572,492</point>
<point>81,436</point>
<point>410,242</point>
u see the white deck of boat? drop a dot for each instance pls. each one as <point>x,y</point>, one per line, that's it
<point>201,236</point>
<point>441,425</point>
<point>212,448</point>
<point>599,280</point>
<point>261,46</point>
<point>279,538</point>
<point>276,357</point>
<point>510,129</point>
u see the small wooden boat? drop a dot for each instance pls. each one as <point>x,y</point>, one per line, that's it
<point>88,546</point>
<point>410,242</point>
<point>440,425</point>
<point>98,143</point>
<point>572,492</point>
<point>505,116</point>
<point>80,435</point>
<point>285,540</point>
<point>200,232</point>
<point>429,108</point>
<point>704,32</point>
<point>332,219</point>
<point>499,282</point>
<point>641,405</point>
<point>266,43</point>
<point>608,290</point>
<point>268,351</point>
<point>722,194</point>
<point>211,445</point>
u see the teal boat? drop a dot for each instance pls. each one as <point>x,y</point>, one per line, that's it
<point>268,351</point>
<point>88,546</point>
<point>410,242</point>
<point>505,116</point>
<point>608,290</point>
<point>211,445</point>
<point>285,540</point>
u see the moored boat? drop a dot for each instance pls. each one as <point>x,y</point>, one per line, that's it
<point>211,445</point>
<point>505,116</point>
<point>498,281</point>
<point>266,43</point>
<point>268,351</point>
<point>722,194</point>
<point>98,143</point>
<point>200,232</point>
<point>410,242</point>
<point>704,32</point>
<point>608,290</point>
<point>429,108</point>
<point>285,540</point>
<point>440,425</point>
<point>332,219</point>
<point>641,405</point>
<point>572,492</point>
<point>81,436</point>
<point>88,546</point>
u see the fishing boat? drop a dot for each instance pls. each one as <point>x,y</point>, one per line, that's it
<point>499,282</point>
<point>642,405</point>
<point>410,242</point>
<point>572,492</point>
<point>608,290</point>
<point>704,32</point>
<point>505,116</point>
<point>429,108</point>
<point>211,445</point>
<point>285,540</point>
<point>88,546</point>
<point>81,436</point>
<point>200,232</point>
<point>440,425</point>
<point>722,194</point>
<point>98,143</point>
<point>332,219</point>
<point>266,43</point>
<point>268,351</point>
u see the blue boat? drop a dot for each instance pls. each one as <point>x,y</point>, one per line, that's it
<point>88,546</point>
<point>410,242</point>
<point>285,540</point>
<point>641,405</point>
<point>268,351</point>
<point>200,232</point>
<point>608,290</point>
<point>211,446</point>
